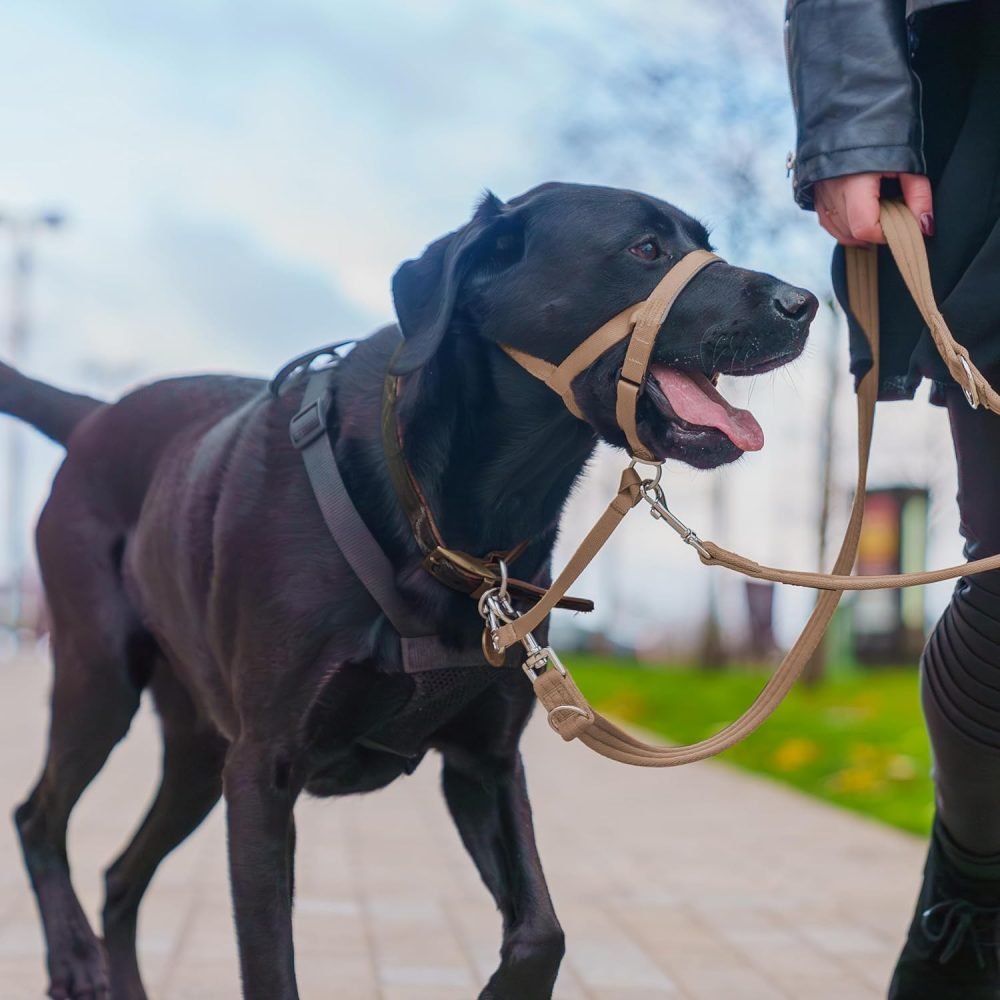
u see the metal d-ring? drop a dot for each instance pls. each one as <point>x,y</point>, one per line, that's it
<point>493,603</point>
<point>971,393</point>
<point>502,589</point>
<point>572,709</point>
<point>651,483</point>
<point>483,599</point>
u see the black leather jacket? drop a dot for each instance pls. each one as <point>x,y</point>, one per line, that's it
<point>857,100</point>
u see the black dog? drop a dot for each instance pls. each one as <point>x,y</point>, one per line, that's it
<point>182,550</point>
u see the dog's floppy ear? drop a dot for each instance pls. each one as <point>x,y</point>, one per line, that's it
<point>424,290</point>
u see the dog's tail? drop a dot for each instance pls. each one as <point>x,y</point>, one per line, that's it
<point>50,410</point>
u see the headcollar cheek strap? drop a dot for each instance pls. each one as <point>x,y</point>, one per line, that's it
<point>640,323</point>
<point>547,372</point>
<point>649,320</point>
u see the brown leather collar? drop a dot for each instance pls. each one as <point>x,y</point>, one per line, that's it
<point>455,569</point>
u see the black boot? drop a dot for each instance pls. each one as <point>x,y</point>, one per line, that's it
<point>951,951</point>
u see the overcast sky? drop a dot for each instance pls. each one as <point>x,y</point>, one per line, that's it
<point>243,177</point>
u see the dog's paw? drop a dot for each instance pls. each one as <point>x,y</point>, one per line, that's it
<point>82,971</point>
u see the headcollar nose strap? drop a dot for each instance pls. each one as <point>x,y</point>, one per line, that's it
<point>640,323</point>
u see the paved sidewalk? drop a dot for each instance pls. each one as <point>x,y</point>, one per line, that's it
<point>700,883</point>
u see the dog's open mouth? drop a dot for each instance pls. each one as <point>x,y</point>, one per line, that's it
<point>690,396</point>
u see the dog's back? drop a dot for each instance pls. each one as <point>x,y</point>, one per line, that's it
<point>113,450</point>
<point>136,429</point>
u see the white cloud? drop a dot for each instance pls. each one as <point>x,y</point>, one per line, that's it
<point>244,177</point>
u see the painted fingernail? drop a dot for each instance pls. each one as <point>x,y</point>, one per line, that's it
<point>927,224</point>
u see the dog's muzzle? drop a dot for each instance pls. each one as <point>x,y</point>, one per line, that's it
<point>640,323</point>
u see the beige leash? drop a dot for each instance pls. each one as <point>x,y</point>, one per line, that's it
<point>569,713</point>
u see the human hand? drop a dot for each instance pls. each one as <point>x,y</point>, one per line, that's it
<point>848,207</point>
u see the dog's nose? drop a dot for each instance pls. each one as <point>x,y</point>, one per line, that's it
<point>795,303</point>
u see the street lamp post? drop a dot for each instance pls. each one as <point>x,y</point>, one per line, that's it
<point>22,228</point>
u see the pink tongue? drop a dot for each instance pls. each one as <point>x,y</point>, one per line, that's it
<point>695,400</point>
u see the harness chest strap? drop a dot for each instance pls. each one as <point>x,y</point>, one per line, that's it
<point>569,712</point>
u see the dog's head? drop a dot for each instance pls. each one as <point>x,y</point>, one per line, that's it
<point>544,271</point>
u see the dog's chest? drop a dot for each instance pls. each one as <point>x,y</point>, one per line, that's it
<point>438,697</point>
<point>397,742</point>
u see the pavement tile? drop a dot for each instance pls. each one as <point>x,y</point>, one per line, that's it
<point>700,883</point>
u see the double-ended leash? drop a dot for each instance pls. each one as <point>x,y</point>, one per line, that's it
<point>486,578</point>
<point>569,712</point>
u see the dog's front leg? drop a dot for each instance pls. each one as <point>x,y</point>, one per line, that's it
<point>488,800</point>
<point>259,800</point>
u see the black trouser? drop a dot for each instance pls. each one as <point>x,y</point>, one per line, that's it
<point>958,61</point>
<point>961,663</point>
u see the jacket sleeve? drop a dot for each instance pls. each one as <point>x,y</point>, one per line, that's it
<point>857,101</point>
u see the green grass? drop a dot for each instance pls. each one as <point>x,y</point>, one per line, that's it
<point>855,740</point>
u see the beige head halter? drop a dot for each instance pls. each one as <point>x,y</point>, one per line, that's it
<point>640,323</point>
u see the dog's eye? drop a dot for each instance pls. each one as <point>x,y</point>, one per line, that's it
<point>646,250</point>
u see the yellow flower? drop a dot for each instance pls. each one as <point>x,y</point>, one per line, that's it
<point>795,753</point>
<point>856,779</point>
<point>901,768</point>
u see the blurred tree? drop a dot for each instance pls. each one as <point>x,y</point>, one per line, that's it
<point>694,98</point>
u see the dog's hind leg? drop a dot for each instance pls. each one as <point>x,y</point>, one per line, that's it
<point>191,783</point>
<point>93,701</point>
<point>102,658</point>
<point>488,799</point>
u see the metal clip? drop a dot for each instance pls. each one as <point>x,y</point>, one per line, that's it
<point>491,610</point>
<point>495,609</point>
<point>654,496</point>
<point>539,659</point>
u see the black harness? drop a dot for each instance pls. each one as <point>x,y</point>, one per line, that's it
<point>421,649</point>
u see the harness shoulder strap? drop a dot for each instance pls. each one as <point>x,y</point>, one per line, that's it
<point>363,553</point>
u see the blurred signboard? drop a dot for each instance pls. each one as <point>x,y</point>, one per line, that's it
<point>888,625</point>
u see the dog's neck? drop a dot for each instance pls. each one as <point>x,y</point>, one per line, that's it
<point>496,465</point>
<point>495,453</point>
